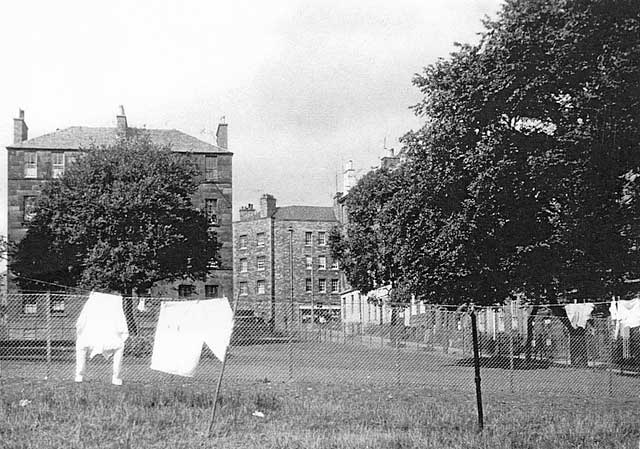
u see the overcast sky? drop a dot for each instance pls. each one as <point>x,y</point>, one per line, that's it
<point>305,86</point>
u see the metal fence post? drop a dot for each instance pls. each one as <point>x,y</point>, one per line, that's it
<point>48,318</point>
<point>511,367</point>
<point>397,345</point>
<point>610,365</point>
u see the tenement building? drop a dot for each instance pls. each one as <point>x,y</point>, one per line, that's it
<point>282,254</point>
<point>31,163</point>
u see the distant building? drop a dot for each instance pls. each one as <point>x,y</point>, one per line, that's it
<point>32,163</point>
<point>271,241</point>
<point>357,308</point>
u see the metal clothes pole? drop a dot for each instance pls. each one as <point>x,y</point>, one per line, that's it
<point>48,318</point>
<point>476,365</point>
<point>224,363</point>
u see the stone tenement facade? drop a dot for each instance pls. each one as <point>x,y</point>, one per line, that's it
<point>263,260</point>
<point>31,163</point>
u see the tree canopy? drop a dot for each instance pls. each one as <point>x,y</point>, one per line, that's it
<point>523,178</point>
<point>119,219</point>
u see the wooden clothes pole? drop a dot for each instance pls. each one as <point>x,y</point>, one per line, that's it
<point>224,363</point>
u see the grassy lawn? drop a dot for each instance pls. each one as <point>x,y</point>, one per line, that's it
<point>340,396</point>
<point>46,414</point>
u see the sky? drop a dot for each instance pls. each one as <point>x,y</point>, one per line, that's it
<point>304,86</point>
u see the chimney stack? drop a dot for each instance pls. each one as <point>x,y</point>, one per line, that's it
<point>20,128</point>
<point>221,133</point>
<point>267,206</point>
<point>247,212</point>
<point>121,123</point>
<point>390,160</point>
<point>349,177</point>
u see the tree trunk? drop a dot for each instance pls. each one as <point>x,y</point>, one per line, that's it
<point>578,352</point>
<point>530,330</point>
<point>127,306</point>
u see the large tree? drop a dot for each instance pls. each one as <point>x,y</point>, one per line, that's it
<point>523,178</point>
<point>120,219</point>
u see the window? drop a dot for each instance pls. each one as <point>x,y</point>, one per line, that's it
<point>352,304</point>
<point>260,262</point>
<point>308,285</point>
<point>335,286</point>
<point>211,209</point>
<point>334,264</point>
<point>308,262</point>
<point>210,167</point>
<point>29,306</point>
<point>322,238</point>
<point>70,159</point>
<point>242,241</point>
<point>260,238</point>
<point>185,290</point>
<point>322,262</point>
<point>30,164</point>
<point>29,208</point>
<point>308,238</point>
<point>260,286</point>
<point>57,306</point>
<point>322,285</point>
<point>244,265</point>
<point>211,291</point>
<point>244,288</point>
<point>57,163</point>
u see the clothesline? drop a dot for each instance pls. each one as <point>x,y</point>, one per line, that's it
<point>392,304</point>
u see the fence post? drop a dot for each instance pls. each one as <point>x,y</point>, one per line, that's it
<point>476,364</point>
<point>610,364</point>
<point>48,318</point>
<point>511,355</point>
<point>397,345</point>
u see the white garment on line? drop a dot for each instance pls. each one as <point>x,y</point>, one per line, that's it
<point>101,326</point>
<point>625,314</point>
<point>579,314</point>
<point>183,326</point>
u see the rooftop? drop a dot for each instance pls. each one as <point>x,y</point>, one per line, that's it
<point>304,213</point>
<point>77,137</point>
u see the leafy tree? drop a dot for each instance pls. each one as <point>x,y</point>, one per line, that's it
<point>523,178</point>
<point>120,219</point>
<point>362,245</point>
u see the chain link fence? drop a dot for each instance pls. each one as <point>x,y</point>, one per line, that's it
<point>519,352</point>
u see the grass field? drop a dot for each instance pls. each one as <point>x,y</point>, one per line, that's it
<point>325,395</point>
<point>302,415</point>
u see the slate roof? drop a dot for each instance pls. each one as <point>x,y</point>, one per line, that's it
<point>304,213</point>
<point>76,137</point>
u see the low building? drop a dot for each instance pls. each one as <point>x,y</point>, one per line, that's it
<point>281,254</point>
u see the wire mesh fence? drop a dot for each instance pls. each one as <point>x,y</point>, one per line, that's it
<point>519,352</point>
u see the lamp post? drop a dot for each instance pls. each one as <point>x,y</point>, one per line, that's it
<point>291,303</point>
